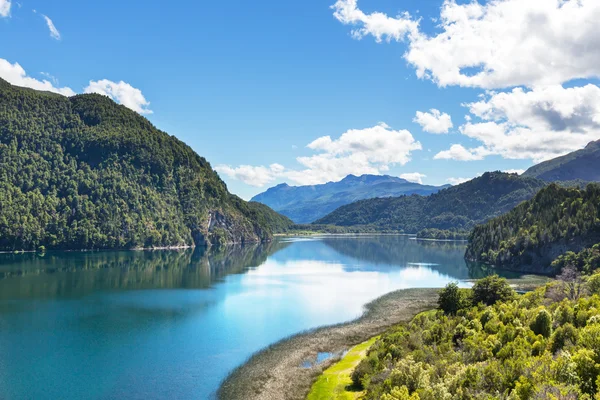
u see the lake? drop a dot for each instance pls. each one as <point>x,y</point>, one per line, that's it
<point>173,324</point>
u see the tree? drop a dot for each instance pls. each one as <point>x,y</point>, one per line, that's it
<point>542,325</point>
<point>492,289</point>
<point>451,299</point>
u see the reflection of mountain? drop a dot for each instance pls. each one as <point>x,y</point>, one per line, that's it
<point>398,251</point>
<point>59,274</point>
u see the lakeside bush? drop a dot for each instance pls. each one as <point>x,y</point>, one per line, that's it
<point>501,345</point>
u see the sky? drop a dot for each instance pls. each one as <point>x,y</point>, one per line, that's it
<point>306,92</point>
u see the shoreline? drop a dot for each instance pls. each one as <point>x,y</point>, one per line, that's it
<point>276,372</point>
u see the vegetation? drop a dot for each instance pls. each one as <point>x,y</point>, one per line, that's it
<point>541,345</point>
<point>457,208</point>
<point>443,234</point>
<point>537,231</point>
<point>305,204</point>
<point>335,383</point>
<point>86,173</point>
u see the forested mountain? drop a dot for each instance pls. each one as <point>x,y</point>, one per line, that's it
<point>583,165</point>
<point>86,173</point>
<point>536,232</point>
<point>457,208</point>
<point>305,204</point>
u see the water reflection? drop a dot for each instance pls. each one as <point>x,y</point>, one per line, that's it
<point>80,273</point>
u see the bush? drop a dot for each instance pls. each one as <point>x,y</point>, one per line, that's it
<point>491,290</point>
<point>542,325</point>
<point>452,298</point>
<point>593,283</point>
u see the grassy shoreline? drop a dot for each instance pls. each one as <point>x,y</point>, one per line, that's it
<point>277,373</point>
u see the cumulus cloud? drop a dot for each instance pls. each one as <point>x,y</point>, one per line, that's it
<point>434,121</point>
<point>536,124</point>
<point>16,75</point>
<point>257,176</point>
<point>457,181</point>
<point>415,177</point>
<point>459,152</point>
<point>54,33</point>
<point>5,8</point>
<point>122,93</point>
<point>498,44</point>
<point>358,151</point>
<point>377,24</point>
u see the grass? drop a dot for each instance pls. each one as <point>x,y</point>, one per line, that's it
<point>335,383</point>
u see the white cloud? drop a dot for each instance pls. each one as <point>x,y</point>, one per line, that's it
<point>413,177</point>
<point>457,181</point>
<point>54,33</point>
<point>434,121</point>
<point>16,75</point>
<point>536,124</point>
<point>458,152</point>
<point>121,92</point>
<point>5,8</point>
<point>255,176</point>
<point>376,24</point>
<point>514,171</point>
<point>357,151</point>
<point>498,44</point>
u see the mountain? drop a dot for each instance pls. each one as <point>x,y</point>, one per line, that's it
<point>456,208</point>
<point>86,173</point>
<point>582,165</point>
<point>305,204</point>
<point>536,232</point>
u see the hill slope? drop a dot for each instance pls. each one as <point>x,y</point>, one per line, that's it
<point>536,232</point>
<point>581,165</point>
<point>84,172</point>
<point>456,208</point>
<point>305,204</point>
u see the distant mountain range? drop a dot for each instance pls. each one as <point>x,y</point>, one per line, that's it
<point>305,204</point>
<point>460,207</point>
<point>581,165</point>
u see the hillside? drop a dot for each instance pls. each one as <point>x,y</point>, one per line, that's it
<point>536,232</point>
<point>305,204</point>
<point>86,173</point>
<point>456,208</point>
<point>583,165</point>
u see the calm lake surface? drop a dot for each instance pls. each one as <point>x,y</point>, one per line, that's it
<point>173,324</point>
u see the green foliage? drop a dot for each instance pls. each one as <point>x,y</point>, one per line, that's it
<point>452,299</point>
<point>530,235</point>
<point>491,290</point>
<point>86,173</point>
<point>443,234</point>
<point>457,208</point>
<point>520,347</point>
<point>542,324</point>
<point>586,261</point>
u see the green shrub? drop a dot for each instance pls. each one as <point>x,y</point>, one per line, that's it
<point>542,325</point>
<point>491,290</point>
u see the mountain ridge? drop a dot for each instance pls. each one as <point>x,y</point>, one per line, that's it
<point>83,172</point>
<point>581,165</point>
<point>304,204</point>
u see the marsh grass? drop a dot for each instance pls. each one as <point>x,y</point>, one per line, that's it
<point>276,372</point>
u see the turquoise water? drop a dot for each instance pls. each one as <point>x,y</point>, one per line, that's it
<point>173,324</point>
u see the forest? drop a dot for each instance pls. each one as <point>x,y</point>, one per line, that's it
<point>86,173</point>
<point>488,343</point>
<point>536,232</point>
<point>457,208</point>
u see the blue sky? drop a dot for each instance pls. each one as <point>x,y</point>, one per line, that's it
<point>249,85</point>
